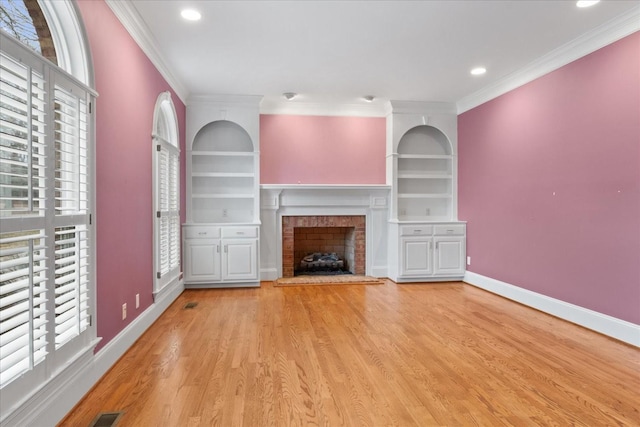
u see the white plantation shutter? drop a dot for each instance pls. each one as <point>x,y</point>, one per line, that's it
<point>168,208</point>
<point>23,323</point>
<point>45,233</point>
<point>22,127</point>
<point>71,283</point>
<point>71,210</point>
<point>71,191</point>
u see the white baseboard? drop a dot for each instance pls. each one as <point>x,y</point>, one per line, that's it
<point>602,323</point>
<point>50,404</point>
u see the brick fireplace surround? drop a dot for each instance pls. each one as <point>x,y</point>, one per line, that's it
<point>289,223</point>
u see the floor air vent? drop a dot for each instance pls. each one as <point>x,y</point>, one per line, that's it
<point>190,305</point>
<point>106,419</point>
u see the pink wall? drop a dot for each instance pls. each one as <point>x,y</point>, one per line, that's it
<point>549,182</point>
<point>322,150</point>
<point>128,85</point>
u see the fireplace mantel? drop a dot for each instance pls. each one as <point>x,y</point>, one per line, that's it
<point>277,201</point>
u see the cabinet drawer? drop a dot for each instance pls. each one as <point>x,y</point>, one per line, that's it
<point>239,232</point>
<point>416,230</point>
<point>201,232</point>
<point>449,230</point>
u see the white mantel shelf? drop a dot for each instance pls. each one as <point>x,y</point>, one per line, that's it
<point>324,187</point>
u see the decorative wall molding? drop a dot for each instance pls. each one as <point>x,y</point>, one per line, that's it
<point>54,401</point>
<point>607,325</point>
<point>138,30</point>
<point>604,35</point>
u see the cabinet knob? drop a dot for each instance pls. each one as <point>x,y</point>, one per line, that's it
<point>202,233</point>
<point>240,232</point>
<point>417,231</point>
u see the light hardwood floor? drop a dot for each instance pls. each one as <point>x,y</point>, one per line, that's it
<point>366,355</point>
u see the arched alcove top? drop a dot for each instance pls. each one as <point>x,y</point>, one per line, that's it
<point>222,135</point>
<point>424,139</point>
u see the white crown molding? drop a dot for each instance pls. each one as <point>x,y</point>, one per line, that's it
<point>420,107</point>
<point>272,105</point>
<point>226,100</point>
<point>601,323</point>
<point>604,35</point>
<point>138,30</point>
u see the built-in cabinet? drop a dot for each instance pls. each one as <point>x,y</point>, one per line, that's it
<point>220,255</point>
<point>426,242</point>
<point>221,243</point>
<point>432,250</point>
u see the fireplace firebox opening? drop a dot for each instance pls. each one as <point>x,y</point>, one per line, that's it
<point>323,245</point>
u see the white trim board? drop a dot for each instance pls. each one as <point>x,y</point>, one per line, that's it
<point>59,396</point>
<point>615,328</point>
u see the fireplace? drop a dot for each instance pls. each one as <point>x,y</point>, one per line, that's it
<point>337,234</point>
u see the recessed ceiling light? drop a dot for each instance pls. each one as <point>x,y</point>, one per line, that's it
<point>586,3</point>
<point>478,71</point>
<point>191,15</point>
<point>369,98</point>
<point>289,95</point>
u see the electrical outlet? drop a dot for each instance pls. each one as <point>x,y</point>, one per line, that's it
<point>124,311</point>
<point>224,213</point>
<point>468,260</point>
<point>428,212</point>
<point>137,300</point>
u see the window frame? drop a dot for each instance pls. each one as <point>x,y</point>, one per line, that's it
<point>80,346</point>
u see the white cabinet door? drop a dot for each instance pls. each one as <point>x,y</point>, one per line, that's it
<point>240,261</point>
<point>202,260</point>
<point>416,256</point>
<point>449,255</point>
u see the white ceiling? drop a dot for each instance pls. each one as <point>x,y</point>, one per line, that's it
<point>341,50</point>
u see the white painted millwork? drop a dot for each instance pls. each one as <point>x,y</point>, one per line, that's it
<point>426,241</point>
<point>427,251</point>
<point>602,323</point>
<point>223,198</point>
<point>278,201</point>
<point>220,256</point>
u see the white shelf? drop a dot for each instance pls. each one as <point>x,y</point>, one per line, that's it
<point>423,175</point>
<point>425,156</point>
<point>424,196</point>
<point>423,219</point>
<point>223,174</point>
<point>222,196</point>
<point>223,153</point>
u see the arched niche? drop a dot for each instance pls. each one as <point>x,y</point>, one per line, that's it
<point>425,140</point>
<point>222,135</point>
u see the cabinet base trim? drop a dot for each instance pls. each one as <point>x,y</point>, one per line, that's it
<point>428,279</point>
<point>607,325</point>
<point>221,285</point>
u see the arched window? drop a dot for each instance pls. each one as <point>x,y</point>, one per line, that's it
<point>25,21</point>
<point>47,283</point>
<point>166,195</point>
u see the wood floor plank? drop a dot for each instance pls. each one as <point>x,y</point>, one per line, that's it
<point>384,355</point>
